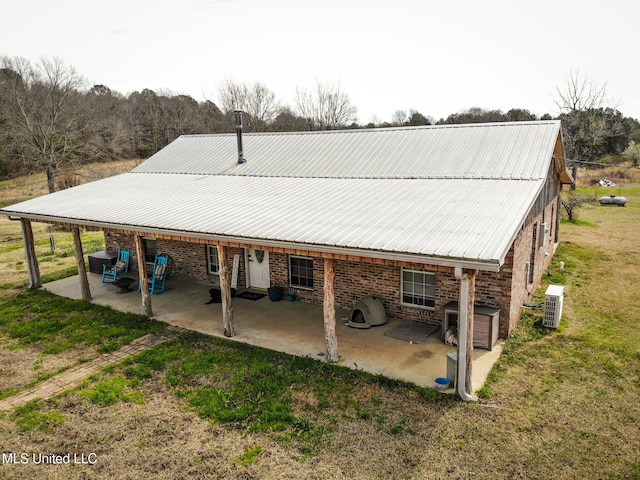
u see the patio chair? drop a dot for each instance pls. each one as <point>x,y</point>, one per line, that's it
<point>158,277</point>
<point>120,269</point>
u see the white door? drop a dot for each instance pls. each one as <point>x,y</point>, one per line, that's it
<point>258,268</point>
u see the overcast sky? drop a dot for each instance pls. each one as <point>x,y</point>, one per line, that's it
<point>435,57</point>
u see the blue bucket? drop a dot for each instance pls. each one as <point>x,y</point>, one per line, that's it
<point>442,384</point>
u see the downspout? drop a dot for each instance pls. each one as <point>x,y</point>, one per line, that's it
<point>463,313</point>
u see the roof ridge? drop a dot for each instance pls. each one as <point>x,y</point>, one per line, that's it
<point>379,129</point>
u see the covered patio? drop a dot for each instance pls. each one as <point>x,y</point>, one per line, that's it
<point>294,328</point>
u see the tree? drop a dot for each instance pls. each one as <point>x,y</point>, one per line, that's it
<point>580,94</point>
<point>111,139</point>
<point>416,118</point>
<point>586,124</point>
<point>181,116</point>
<point>287,121</point>
<point>327,108</point>
<point>212,119</point>
<point>256,100</point>
<point>519,115</point>
<point>145,119</point>
<point>632,153</point>
<point>399,118</point>
<point>474,115</point>
<point>42,113</point>
<point>571,201</point>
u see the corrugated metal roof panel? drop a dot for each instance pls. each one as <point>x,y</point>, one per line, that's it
<point>462,219</point>
<point>486,151</point>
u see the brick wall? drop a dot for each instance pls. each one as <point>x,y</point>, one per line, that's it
<point>356,280</point>
<point>522,287</point>
<point>507,289</point>
<point>189,259</point>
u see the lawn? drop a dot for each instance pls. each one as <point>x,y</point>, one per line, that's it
<point>560,403</point>
<point>54,246</point>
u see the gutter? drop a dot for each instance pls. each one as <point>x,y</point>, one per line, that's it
<point>489,266</point>
<point>463,313</point>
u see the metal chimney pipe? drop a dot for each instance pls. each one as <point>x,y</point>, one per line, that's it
<point>241,158</point>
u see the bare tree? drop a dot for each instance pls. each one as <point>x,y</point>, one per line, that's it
<point>399,117</point>
<point>570,202</point>
<point>256,100</point>
<point>327,108</point>
<point>42,114</point>
<point>580,93</point>
<point>111,137</point>
<point>586,124</point>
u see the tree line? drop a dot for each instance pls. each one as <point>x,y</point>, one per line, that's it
<point>52,121</point>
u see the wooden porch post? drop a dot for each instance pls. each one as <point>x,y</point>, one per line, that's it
<point>330,311</point>
<point>142,274</point>
<point>82,267</point>
<point>30,253</point>
<point>471,299</point>
<point>225,289</point>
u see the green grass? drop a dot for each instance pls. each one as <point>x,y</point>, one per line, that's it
<point>249,456</point>
<point>559,404</point>
<point>253,389</point>
<point>57,324</point>
<point>111,391</point>
<point>29,418</point>
<point>601,346</point>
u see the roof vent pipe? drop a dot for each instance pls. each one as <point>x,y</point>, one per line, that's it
<point>241,158</point>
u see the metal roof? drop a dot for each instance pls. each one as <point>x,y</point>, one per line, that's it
<point>470,220</point>
<point>454,195</point>
<point>485,151</point>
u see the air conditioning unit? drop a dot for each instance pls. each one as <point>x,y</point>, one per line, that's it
<point>553,306</point>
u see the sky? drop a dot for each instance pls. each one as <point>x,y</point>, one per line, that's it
<point>438,58</point>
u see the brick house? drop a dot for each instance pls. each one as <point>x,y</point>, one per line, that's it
<point>403,214</point>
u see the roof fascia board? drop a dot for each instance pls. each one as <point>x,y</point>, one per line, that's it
<point>490,266</point>
<point>558,154</point>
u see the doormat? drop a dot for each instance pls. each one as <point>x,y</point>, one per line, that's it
<point>250,295</point>
<point>412,332</point>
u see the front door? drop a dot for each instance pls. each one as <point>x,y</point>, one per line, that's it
<point>258,268</point>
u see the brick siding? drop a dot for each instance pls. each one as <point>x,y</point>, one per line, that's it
<point>508,289</point>
<point>189,259</point>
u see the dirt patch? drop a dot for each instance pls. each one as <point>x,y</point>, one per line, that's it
<point>22,366</point>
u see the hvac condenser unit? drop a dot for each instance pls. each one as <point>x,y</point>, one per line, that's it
<point>553,306</point>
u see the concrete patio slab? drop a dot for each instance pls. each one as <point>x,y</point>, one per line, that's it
<point>294,328</point>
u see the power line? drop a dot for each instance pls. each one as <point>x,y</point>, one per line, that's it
<point>597,164</point>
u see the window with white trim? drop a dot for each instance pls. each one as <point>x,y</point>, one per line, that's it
<point>213,262</point>
<point>418,288</point>
<point>301,272</point>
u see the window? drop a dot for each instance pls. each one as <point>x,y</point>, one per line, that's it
<point>213,262</point>
<point>301,272</point>
<point>532,259</point>
<point>418,288</point>
<point>150,249</point>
